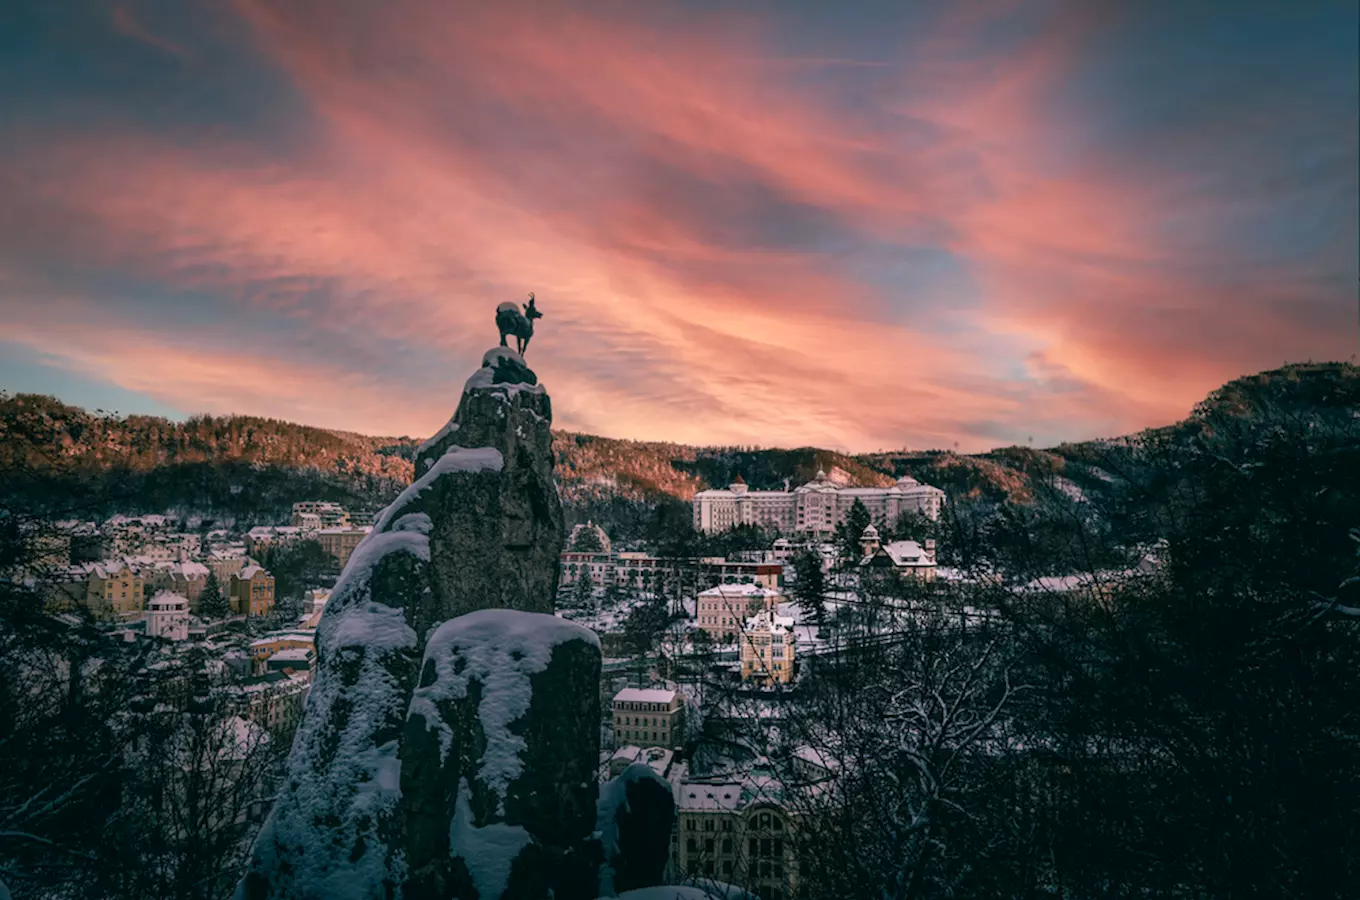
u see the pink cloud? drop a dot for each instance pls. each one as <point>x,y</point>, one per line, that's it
<point>465,157</point>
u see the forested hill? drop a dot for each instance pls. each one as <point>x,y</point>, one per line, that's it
<point>54,456</point>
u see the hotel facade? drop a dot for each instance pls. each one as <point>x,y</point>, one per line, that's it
<point>813,509</point>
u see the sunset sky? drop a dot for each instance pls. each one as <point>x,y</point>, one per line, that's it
<point>852,224</point>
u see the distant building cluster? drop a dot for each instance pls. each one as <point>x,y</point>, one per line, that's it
<point>813,509</point>
<point>326,523</point>
<point>642,571</point>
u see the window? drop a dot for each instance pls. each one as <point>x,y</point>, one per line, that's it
<point>708,845</point>
<point>691,845</point>
<point>727,844</point>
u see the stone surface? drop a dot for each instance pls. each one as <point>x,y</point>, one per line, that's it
<point>449,745</point>
<point>506,721</point>
<point>634,816</point>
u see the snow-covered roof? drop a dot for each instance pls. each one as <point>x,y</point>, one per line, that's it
<point>904,555</point>
<point>645,695</point>
<point>747,589</point>
<point>768,620</point>
<point>715,797</point>
<point>165,599</point>
<point>292,654</point>
<point>299,636</point>
<point>250,572</point>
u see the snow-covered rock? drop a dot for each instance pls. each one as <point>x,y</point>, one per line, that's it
<point>633,818</point>
<point>450,740</point>
<point>502,741</point>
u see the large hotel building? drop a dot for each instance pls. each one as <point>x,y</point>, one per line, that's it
<point>814,509</point>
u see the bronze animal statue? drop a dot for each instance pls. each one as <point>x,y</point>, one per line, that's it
<point>521,324</point>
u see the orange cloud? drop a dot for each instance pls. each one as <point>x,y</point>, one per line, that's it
<point>695,223</point>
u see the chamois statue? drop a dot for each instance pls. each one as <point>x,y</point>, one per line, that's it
<point>521,324</point>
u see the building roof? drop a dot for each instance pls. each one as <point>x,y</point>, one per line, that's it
<point>250,572</point>
<point>769,620</point>
<point>166,598</point>
<point>645,695</point>
<point>747,589</point>
<point>902,554</point>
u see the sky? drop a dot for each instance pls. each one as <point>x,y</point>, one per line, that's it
<point>858,225</point>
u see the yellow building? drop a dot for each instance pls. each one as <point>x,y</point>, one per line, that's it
<point>767,648</point>
<point>115,590</point>
<point>736,832</point>
<point>252,592</point>
<point>652,717</point>
<point>340,542</point>
<point>265,647</point>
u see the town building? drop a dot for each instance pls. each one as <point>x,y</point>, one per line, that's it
<point>721,611</point>
<point>643,572</point>
<point>815,508</point>
<point>900,557</point>
<point>266,647</point>
<point>324,513</point>
<point>736,830</point>
<point>251,592</point>
<point>767,648</point>
<point>273,701</point>
<point>167,616</point>
<point>262,537</point>
<point>650,717</point>
<point>183,577</point>
<point>294,659</point>
<point>226,560</point>
<point>116,590</point>
<point>580,531</point>
<point>340,542</point>
<point>659,759</point>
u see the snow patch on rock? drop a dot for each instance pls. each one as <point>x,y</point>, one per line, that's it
<point>458,459</point>
<point>489,851</point>
<point>501,649</point>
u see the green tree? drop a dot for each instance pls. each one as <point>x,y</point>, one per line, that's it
<point>587,540</point>
<point>809,586</point>
<point>298,567</point>
<point>583,590</point>
<point>849,530</point>
<point>212,602</point>
<point>912,526</point>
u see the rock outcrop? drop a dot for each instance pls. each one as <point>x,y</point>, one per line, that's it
<point>449,745</point>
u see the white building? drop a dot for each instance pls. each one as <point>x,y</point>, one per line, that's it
<point>167,616</point>
<point>815,508</point>
<point>320,513</point>
<point>902,557</point>
<point>648,717</point>
<point>722,610</point>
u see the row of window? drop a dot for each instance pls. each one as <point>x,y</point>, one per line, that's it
<point>757,848</point>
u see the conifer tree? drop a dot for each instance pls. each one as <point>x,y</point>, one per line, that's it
<point>212,603</point>
<point>848,532</point>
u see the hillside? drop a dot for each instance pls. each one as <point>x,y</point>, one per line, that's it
<point>57,457</point>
